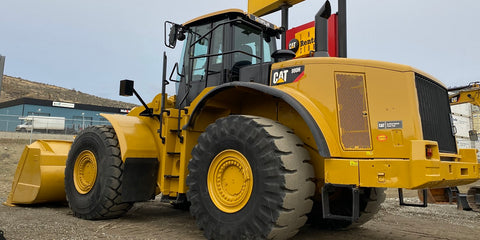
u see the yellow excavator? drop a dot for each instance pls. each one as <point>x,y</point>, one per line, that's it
<point>256,141</point>
<point>465,94</point>
<point>471,200</point>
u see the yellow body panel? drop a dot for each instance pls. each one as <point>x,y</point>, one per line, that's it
<point>136,135</point>
<point>385,102</point>
<point>40,172</point>
<point>417,172</point>
<point>391,95</point>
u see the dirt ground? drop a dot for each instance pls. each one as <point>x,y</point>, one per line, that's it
<point>156,220</point>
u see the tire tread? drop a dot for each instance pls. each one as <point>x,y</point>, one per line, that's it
<point>297,187</point>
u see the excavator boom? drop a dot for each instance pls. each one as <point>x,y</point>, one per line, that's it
<point>465,94</point>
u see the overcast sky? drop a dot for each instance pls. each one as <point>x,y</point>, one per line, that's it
<point>90,45</point>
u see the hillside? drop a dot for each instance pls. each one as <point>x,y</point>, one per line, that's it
<point>15,88</point>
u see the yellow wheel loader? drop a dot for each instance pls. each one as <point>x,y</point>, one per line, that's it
<point>256,141</point>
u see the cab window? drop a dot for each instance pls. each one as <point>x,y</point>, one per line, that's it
<point>253,46</point>
<point>200,48</point>
<point>247,40</point>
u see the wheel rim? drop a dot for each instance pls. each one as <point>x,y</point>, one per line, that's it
<point>85,171</point>
<point>230,181</point>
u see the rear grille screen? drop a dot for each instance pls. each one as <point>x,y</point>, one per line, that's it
<point>352,111</point>
<point>435,113</point>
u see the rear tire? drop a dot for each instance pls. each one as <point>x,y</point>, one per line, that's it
<point>250,178</point>
<point>341,204</point>
<point>93,175</point>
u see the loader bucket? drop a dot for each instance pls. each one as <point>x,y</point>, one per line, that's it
<point>40,172</point>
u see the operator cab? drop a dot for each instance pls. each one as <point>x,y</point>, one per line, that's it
<point>217,46</point>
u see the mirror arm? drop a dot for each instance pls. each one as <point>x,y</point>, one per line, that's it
<point>149,110</point>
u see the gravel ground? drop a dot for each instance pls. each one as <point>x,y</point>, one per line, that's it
<point>156,220</point>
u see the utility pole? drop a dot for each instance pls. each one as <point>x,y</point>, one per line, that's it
<point>284,9</point>
<point>2,65</point>
<point>342,28</point>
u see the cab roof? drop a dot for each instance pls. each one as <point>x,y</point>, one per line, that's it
<point>230,13</point>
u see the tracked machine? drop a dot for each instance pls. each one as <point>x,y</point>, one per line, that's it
<point>255,140</point>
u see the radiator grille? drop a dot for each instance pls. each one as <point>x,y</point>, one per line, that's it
<point>435,113</point>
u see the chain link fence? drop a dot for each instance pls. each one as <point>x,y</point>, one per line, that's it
<point>47,125</point>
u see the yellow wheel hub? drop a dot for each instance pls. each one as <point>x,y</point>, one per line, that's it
<point>85,171</point>
<point>230,181</point>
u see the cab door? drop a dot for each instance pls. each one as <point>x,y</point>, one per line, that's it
<point>203,64</point>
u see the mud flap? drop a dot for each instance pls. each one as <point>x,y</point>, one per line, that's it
<point>355,210</point>
<point>39,177</point>
<point>139,179</point>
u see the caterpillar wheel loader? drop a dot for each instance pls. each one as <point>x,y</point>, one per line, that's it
<point>255,141</point>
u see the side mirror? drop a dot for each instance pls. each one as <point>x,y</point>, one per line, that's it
<point>172,36</point>
<point>175,33</point>
<point>126,88</point>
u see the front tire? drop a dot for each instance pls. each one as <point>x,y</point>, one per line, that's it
<point>93,175</point>
<point>250,178</point>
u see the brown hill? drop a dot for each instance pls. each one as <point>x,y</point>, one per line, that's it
<point>15,88</point>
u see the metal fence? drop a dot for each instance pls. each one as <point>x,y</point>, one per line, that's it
<point>14,123</point>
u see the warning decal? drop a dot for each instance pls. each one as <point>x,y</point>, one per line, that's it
<point>287,75</point>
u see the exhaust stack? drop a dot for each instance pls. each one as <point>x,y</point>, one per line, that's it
<point>321,30</point>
